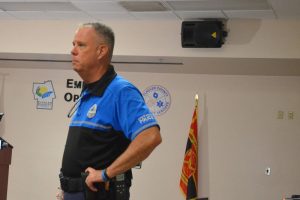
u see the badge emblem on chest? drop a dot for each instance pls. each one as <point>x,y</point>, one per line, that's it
<point>92,111</point>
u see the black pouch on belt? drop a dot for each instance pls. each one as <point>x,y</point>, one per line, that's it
<point>101,194</point>
<point>120,186</point>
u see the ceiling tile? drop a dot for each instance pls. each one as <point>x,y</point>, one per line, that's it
<point>52,15</point>
<point>155,15</point>
<point>70,16</point>
<point>143,6</point>
<point>250,14</point>
<point>111,15</point>
<point>42,0</point>
<point>72,1</point>
<point>194,15</point>
<point>12,0</point>
<point>99,6</point>
<point>29,15</point>
<point>37,6</point>
<point>219,5</point>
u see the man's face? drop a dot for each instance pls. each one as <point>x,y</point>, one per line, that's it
<point>84,52</point>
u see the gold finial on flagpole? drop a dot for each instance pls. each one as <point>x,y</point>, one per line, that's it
<point>196,100</point>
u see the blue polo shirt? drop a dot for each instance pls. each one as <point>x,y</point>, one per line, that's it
<point>110,114</point>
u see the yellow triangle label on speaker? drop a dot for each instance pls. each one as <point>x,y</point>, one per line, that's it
<point>214,35</point>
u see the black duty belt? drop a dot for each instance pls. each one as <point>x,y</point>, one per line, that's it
<point>71,185</point>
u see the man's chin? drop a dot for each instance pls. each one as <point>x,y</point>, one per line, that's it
<point>76,68</point>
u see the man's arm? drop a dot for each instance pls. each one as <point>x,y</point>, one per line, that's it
<point>138,150</point>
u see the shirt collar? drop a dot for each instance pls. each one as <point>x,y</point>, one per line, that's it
<point>98,88</point>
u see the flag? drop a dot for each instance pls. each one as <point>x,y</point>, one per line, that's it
<point>189,174</point>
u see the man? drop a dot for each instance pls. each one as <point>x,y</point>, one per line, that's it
<point>112,130</point>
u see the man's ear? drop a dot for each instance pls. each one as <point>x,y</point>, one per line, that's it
<point>102,51</point>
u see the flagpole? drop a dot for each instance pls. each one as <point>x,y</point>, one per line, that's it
<point>196,110</point>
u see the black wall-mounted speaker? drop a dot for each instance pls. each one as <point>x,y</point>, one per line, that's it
<point>202,34</point>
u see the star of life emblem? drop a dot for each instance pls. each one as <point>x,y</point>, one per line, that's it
<point>158,99</point>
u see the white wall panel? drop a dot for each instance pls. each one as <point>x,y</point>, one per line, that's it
<point>246,39</point>
<point>240,135</point>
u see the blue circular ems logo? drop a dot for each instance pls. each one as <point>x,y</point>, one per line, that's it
<point>158,99</point>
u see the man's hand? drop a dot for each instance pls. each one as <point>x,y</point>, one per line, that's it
<point>94,176</point>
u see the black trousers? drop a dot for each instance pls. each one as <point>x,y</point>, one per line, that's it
<point>105,193</point>
<point>101,194</point>
<point>89,195</point>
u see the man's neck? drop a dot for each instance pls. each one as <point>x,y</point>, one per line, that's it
<point>95,75</point>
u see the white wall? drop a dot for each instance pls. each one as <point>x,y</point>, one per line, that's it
<point>240,135</point>
<point>247,38</point>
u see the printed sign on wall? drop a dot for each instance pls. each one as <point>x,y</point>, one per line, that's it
<point>44,94</point>
<point>158,99</point>
<point>73,84</point>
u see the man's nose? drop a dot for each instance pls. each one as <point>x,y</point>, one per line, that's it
<point>74,51</point>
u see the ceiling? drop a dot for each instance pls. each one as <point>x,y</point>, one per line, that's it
<point>99,10</point>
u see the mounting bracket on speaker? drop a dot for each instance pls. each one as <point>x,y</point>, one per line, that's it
<point>203,34</point>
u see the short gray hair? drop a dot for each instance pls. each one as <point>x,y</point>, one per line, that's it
<point>105,32</point>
